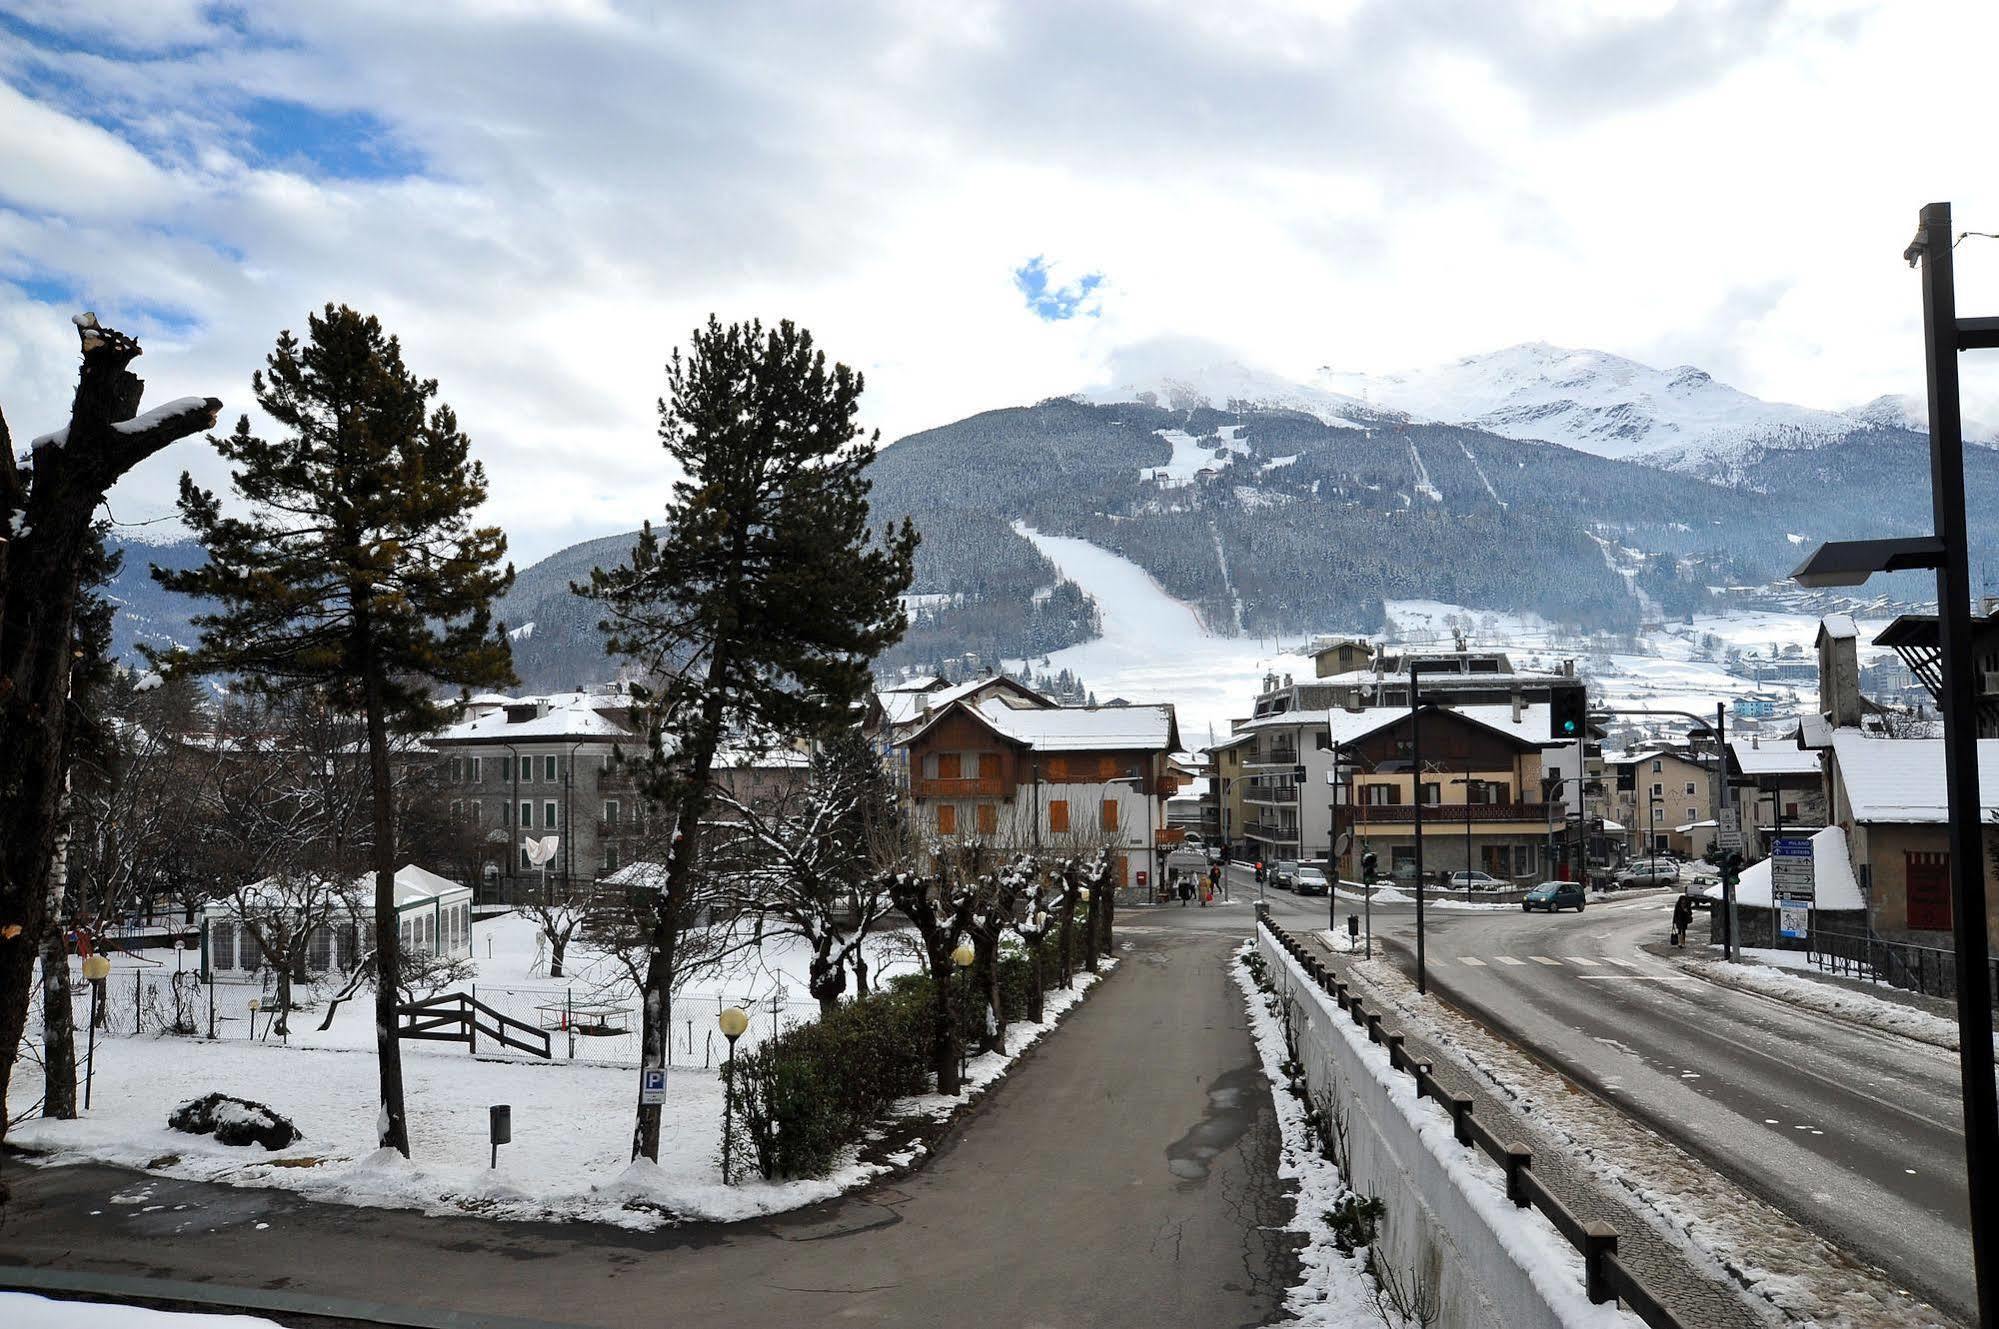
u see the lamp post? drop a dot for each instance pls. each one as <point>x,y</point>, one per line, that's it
<point>95,970</point>
<point>963,957</point>
<point>732,1022</point>
<point>1416,791</point>
<point>1851,563</point>
<point>1467,782</point>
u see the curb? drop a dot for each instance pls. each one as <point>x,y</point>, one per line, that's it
<point>173,1294</point>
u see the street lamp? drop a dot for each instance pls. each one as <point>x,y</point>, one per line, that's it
<point>96,968</point>
<point>1851,562</point>
<point>1467,782</point>
<point>963,956</point>
<point>733,1022</point>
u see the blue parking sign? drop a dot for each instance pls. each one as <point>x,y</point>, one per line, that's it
<point>652,1085</point>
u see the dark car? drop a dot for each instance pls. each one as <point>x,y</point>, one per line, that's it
<point>1554,895</point>
<point>1284,873</point>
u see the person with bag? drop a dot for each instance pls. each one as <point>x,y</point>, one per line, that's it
<point>1683,917</point>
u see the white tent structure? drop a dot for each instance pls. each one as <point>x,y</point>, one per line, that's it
<point>433,917</point>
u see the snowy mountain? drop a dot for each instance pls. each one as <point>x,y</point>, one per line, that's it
<point>1186,373</point>
<point>1599,403</point>
<point>1901,410</point>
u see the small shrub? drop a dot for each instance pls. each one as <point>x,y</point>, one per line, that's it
<point>1355,1221</point>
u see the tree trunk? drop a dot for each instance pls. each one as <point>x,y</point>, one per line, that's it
<point>860,973</point>
<point>58,1024</point>
<point>943,1035</point>
<point>1109,892</point>
<point>825,977</point>
<point>989,983</point>
<point>1092,927</point>
<point>1036,1010</point>
<point>1065,962</point>
<point>558,944</point>
<point>391,1123</point>
<point>283,1027</point>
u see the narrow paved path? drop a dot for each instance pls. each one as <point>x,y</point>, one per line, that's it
<point>1125,1174</point>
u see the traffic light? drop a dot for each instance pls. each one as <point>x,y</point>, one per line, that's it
<point>1731,868</point>
<point>1259,873</point>
<point>1368,868</point>
<point>1568,713</point>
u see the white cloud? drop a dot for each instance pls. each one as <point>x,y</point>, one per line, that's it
<point>1369,185</point>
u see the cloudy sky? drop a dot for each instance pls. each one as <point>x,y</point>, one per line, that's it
<point>975,203</point>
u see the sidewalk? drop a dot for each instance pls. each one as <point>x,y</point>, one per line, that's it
<point>1069,1196</point>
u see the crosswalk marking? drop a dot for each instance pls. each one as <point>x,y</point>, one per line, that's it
<point>1472,960</point>
<point>1582,959</point>
<point>1542,959</point>
<point>1621,963</point>
<point>1508,959</point>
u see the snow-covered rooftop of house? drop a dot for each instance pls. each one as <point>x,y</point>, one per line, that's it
<point>1839,626</point>
<point>1833,882</point>
<point>414,885</point>
<point>900,707</point>
<point>1344,726</point>
<point>922,683</point>
<point>1442,678</point>
<point>1773,758</point>
<point>1079,728</point>
<point>1815,731</point>
<point>938,700</point>
<point>1901,779</point>
<point>575,719</point>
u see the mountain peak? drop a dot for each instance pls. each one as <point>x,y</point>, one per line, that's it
<point>1187,373</point>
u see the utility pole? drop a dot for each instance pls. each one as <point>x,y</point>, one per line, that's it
<point>1944,336</point>
<point>1416,773</point>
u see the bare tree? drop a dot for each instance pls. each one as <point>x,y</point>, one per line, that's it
<point>940,906</point>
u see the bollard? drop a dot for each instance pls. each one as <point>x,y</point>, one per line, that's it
<point>1395,1051</point>
<point>1518,1159</point>
<point>499,1128</point>
<point>1599,1240</point>
<point>1373,1027</point>
<point>1461,1118</point>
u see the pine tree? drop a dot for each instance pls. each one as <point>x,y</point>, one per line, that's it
<point>357,575</point>
<point>765,608</point>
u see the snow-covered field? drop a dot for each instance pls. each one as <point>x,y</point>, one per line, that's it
<point>28,1311</point>
<point>572,1120</point>
<point>1155,648</point>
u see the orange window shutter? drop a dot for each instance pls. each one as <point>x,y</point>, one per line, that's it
<point>1058,815</point>
<point>1107,815</point>
<point>988,819</point>
<point>947,819</point>
<point>989,766</point>
<point>947,766</point>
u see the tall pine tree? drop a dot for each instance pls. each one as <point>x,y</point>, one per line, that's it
<point>762,610</point>
<point>357,574</point>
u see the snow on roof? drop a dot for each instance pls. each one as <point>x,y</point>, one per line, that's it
<point>577,719</point>
<point>1344,726</point>
<point>1232,741</point>
<point>414,885</point>
<point>938,700</point>
<point>1079,728</point>
<point>490,699</point>
<point>1838,626</point>
<point>1773,759</point>
<point>922,683</point>
<point>1815,731</point>
<point>641,874</point>
<point>900,707</point>
<point>1833,882</point>
<point>1902,780</point>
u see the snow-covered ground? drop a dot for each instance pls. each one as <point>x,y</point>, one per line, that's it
<point>24,1310</point>
<point>1774,973</point>
<point>571,1119</point>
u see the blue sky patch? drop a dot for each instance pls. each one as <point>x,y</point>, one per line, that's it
<point>1052,304</point>
<point>349,145</point>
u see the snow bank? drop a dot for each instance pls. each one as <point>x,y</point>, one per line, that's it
<point>1447,1209</point>
<point>33,1312</point>
<point>1828,998</point>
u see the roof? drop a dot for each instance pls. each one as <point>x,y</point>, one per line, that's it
<point>921,683</point>
<point>1902,779</point>
<point>1344,726</point>
<point>414,886</point>
<point>574,720</point>
<point>1082,728</point>
<point>1833,883</point>
<point>900,706</point>
<point>1235,740</point>
<point>641,874</point>
<point>1840,627</point>
<point>1773,758</point>
<point>942,697</point>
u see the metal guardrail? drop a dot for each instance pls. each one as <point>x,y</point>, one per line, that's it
<point>1929,970</point>
<point>1605,1276</point>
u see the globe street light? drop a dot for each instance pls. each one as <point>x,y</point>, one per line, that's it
<point>733,1022</point>
<point>963,957</point>
<point>96,968</point>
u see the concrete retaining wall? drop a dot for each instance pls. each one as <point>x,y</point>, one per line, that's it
<point>1448,1227</point>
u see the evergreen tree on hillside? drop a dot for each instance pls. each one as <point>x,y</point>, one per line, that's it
<point>764,610</point>
<point>356,575</point>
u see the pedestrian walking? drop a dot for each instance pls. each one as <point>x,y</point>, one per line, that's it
<point>1207,893</point>
<point>1683,917</point>
<point>1186,892</point>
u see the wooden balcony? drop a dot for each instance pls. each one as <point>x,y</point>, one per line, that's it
<point>1448,814</point>
<point>987,786</point>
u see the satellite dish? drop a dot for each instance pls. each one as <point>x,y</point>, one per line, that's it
<point>541,852</point>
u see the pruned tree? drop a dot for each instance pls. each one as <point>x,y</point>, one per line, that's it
<point>764,610</point>
<point>286,915</point>
<point>48,499</point>
<point>357,574</point>
<point>1039,911</point>
<point>811,864</point>
<point>998,896</point>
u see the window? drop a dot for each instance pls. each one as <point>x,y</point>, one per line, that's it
<point>1658,789</point>
<point>989,766</point>
<point>610,856</point>
<point>948,766</point>
<point>610,812</point>
<point>221,945</point>
<point>506,814</point>
<point>1381,795</point>
<point>1107,815</point>
<point>457,809</point>
<point>478,812</point>
<point>524,849</point>
<point>947,819</point>
<point>1432,793</point>
<point>1690,789</point>
<point>527,815</point>
<point>1692,815</point>
<point>548,769</point>
<point>527,770</point>
<point>457,771</point>
<point>1058,815</point>
<point>988,819</point>
<point>477,778</point>
<point>1523,859</point>
<point>1791,810</point>
<point>1655,768</point>
<point>548,814</point>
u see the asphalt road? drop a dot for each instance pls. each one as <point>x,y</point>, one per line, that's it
<point>1124,1174</point>
<point>1854,1133</point>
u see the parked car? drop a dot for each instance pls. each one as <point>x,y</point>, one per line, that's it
<point>1696,890</point>
<point>1553,896</point>
<point>1310,881</point>
<point>1650,872</point>
<point>1475,881</point>
<point>1284,874</point>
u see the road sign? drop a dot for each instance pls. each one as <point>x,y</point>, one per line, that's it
<point>1793,921</point>
<point>652,1085</point>
<point>1341,845</point>
<point>1728,833</point>
<point>1791,870</point>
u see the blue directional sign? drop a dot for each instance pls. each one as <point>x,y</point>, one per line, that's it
<point>1791,870</point>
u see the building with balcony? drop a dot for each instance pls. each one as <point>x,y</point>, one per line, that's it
<point>1654,790</point>
<point>1028,776</point>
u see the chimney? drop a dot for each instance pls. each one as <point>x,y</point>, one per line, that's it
<point>1519,707</point>
<point>1839,671</point>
